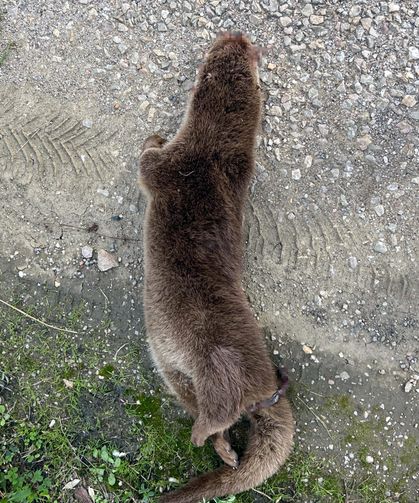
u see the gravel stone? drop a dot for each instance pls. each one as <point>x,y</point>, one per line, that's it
<point>296,174</point>
<point>355,11</point>
<point>413,53</point>
<point>87,252</point>
<point>285,21</point>
<point>380,247</point>
<point>316,20</point>
<point>379,209</point>
<point>353,262</point>
<point>106,261</point>
<point>307,10</point>
<point>409,101</point>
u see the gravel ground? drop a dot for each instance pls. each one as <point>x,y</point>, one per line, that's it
<point>331,221</point>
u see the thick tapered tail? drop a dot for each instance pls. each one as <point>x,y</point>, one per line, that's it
<point>270,443</point>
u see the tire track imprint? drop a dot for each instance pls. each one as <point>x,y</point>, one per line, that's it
<point>38,142</point>
<point>309,244</point>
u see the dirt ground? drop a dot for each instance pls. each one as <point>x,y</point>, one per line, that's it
<point>331,220</point>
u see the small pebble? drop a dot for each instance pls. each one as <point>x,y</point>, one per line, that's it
<point>379,209</point>
<point>409,101</point>
<point>296,174</point>
<point>413,53</point>
<point>353,262</point>
<point>106,261</point>
<point>380,247</point>
<point>316,20</point>
<point>87,251</point>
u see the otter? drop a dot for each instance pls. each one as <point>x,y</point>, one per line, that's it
<point>202,334</point>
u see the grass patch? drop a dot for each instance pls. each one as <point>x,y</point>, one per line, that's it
<point>70,409</point>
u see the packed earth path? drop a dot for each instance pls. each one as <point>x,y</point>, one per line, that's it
<point>330,242</point>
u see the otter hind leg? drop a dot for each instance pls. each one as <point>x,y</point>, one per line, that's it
<point>182,387</point>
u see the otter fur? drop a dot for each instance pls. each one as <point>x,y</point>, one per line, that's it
<point>201,330</point>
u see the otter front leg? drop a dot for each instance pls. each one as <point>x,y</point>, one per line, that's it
<point>153,141</point>
<point>151,158</point>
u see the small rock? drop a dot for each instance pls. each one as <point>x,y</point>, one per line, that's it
<point>393,7</point>
<point>296,174</point>
<point>364,141</point>
<point>72,484</point>
<point>380,247</point>
<point>379,209</point>
<point>413,52</point>
<point>87,252</point>
<point>355,11</point>
<point>103,192</point>
<point>87,123</point>
<point>344,375</point>
<point>106,261</point>
<point>307,10</point>
<point>187,85</point>
<point>285,21</point>
<point>353,262</point>
<point>408,386</point>
<point>369,459</point>
<point>409,101</point>
<point>144,105</point>
<point>316,20</point>
<point>162,27</point>
<point>366,23</point>
<point>273,6</point>
<point>307,350</point>
<point>276,111</point>
<point>308,161</point>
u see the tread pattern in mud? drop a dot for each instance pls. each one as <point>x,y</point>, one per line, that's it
<point>38,142</point>
<point>311,245</point>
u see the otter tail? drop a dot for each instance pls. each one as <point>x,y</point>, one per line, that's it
<point>270,443</point>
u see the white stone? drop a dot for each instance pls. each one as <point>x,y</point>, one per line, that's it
<point>413,52</point>
<point>353,262</point>
<point>285,21</point>
<point>87,251</point>
<point>308,161</point>
<point>296,174</point>
<point>369,459</point>
<point>307,10</point>
<point>379,209</point>
<point>380,247</point>
<point>355,11</point>
<point>316,20</point>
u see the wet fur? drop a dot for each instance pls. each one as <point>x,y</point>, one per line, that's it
<point>202,333</point>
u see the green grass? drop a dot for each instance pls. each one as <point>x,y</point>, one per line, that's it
<point>70,410</point>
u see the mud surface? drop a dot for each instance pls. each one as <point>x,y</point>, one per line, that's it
<point>331,222</point>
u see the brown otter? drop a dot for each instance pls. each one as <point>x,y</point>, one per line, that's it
<point>201,330</point>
